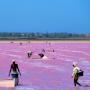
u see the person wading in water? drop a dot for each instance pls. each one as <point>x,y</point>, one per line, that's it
<point>75,76</point>
<point>14,71</point>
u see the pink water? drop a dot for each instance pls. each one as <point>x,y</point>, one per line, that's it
<point>51,74</point>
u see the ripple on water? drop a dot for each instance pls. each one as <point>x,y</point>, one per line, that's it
<point>24,88</point>
<point>85,63</point>
<point>85,81</point>
<point>48,66</point>
<point>87,74</point>
<point>68,60</point>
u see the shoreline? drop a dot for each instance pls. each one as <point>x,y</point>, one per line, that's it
<point>43,41</point>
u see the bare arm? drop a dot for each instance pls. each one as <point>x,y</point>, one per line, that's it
<point>18,70</point>
<point>10,70</point>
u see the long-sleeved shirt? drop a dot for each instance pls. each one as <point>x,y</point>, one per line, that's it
<point>75,71</point>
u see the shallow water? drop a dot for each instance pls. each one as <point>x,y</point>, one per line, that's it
<point>51,74</point>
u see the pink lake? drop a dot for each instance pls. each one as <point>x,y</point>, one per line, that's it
<point>53,73</point>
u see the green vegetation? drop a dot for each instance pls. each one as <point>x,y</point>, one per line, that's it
<point>41,36</point>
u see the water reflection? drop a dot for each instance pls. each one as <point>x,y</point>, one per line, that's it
<point>13,88</point>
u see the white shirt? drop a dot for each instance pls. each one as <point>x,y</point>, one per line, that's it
<point>75,71</point>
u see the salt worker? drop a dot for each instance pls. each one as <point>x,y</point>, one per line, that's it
<point>41,55</point>
<point>29,53</point>
<point>75,76</point>
<point>14,71</point>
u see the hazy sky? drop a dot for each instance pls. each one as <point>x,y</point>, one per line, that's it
<point>45,16</point>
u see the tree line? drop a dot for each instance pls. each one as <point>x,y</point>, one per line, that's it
<point>38,35</point>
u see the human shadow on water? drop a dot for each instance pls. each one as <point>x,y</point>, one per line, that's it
<point>75,88</point>
<point>81,87</point>
<point>13,88</point>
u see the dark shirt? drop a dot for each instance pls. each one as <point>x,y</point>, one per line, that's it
<point>14,69</point>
